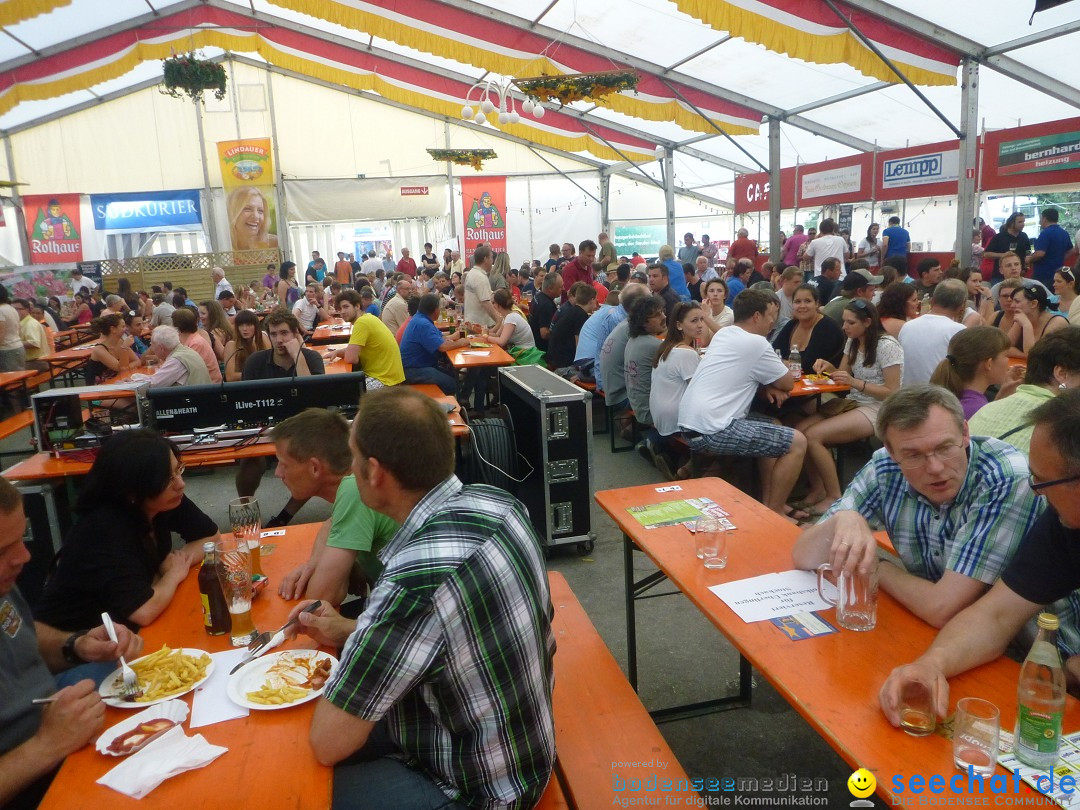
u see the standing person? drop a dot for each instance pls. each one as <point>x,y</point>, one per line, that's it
<point>714,413</point>
<point>355,266</point>
<point>580,267</point>
<point>606,254</point>
<point>371,266</point>
<point>1067,289</point>
<point>869,248</point>
<point>406,264</point>
<point>793,245</point>
<point>743,247</point>
<point>675,271</point>
<point>873,366</point>
<point>552,262</point>
<point>35,342</point>
<point>249,339</point>
<point>12,353</point>
<point>372,347</point>
<point>710,252</point>
<point>828,244</point>
<point>288,291</point>
<point>1010,239</point>
<point>1051,246</point>
<point>342,270</point>
<point>423,347</point>
<point>269,280</point>
<point>478,307</point>
<point>688,251</point>
<point>428,259</point>
<point>217,276</point>
<point>673,367</point>
<point>316,261</point>
<point>895,240</point>
<point>925,339</point>
<point>80,283</point>
<point>499,277</point>
<point>978,358</point>
<point>447,262</point>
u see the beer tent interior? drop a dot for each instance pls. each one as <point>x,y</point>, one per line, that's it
<point>353,93</point>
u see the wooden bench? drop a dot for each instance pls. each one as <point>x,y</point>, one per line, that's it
<point>604,736</point>
<point>739,471</point>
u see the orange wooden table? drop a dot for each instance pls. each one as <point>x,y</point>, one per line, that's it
<point>833,680</point>
<point>804,389</point>
<point>269,762</point>
<point>489,356</point>
<point>330,333</point>
<point>68,360</point>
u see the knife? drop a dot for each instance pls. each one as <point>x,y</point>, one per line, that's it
<point>275,639</point>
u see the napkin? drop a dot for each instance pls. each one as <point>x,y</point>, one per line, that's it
<point>211,703</point>
<point>172,753</point>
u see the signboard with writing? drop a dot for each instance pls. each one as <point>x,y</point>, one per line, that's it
<point>830,183</point>
<point>247,175</point>
<point>643,239</point>
<point>53,227</point>
<point>1043,153</point>
<point>843,217</point>
<point>147,211</point>
<point>917,170</point>
<point>483,201</point>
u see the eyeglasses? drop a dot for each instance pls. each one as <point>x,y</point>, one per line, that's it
<point>1039,486</point>
<point>916,461</point>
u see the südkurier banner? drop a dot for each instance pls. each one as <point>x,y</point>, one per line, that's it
<point>147,211</point>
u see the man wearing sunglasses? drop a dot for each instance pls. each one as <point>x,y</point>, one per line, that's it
<point>1046,570</point>
<point>955,508</point>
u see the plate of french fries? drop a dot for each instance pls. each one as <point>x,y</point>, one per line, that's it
<point>165,674</point>
<point>281,680</point>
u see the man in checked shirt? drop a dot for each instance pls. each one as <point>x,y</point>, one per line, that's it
<point>443,694</point>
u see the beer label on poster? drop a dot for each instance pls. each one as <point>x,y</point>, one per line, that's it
<point>147,212</point>
<point>918,170</point>
<point>53,227</point>
<point>483,202</point>
<point>247,174</point>
<point>829,183</point>
<point>1044,153</point>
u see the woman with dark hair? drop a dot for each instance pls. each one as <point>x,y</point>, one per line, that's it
<point>111,354</point>
<point>899,304</point>
<point>1032,315</point>
<point>125,291</point>
<point>136,334</point>
<point>676,361</point>
<point>980,309</point>
<point>215,323</point>
<point>249,339</point>
<point>646,321</point>
<point>83,313</point>
<point>869,248</point>
<point>118,557</point>
<point>1067,289</point>
<point>978,358</point>
<point>873,366</point>
<point>816,336</point>
<point>288,292</point>
<point>718,314</point>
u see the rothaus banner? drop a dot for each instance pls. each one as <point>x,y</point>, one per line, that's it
<point>147,211</point>
<point>483,203</point>
<point>53,227</point>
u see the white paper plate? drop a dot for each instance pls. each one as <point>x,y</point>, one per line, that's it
<point>175,710</point>
<point>111,686</point>
<point>251,677</point>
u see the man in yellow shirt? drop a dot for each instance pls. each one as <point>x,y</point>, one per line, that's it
<point>33,336</point>
<point>372,345</point>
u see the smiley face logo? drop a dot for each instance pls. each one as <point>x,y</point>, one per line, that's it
<point>861,783</point>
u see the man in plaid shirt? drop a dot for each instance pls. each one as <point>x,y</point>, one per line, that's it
<point>443,694</point>
<point>955,507</point>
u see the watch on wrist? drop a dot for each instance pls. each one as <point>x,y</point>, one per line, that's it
<point>67,651</point>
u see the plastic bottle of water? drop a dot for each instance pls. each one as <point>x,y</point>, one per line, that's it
<point>1041,700</point>
<point>794,361</point>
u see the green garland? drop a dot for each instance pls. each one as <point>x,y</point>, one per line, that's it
<point>186,74</point>
<point>463,157</point>
<point>578,86</point>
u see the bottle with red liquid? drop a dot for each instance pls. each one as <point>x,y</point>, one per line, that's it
<point>215,611</point>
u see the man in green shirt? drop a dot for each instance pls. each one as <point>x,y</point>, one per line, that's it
<point>314,460</point>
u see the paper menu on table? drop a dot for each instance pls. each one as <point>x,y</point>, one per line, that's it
<point>1068,764</point>
<point>211,704</point>
<point>771,596</point>
<point>671,513</point>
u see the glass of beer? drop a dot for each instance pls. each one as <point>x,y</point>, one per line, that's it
<point>234,571</point>
<point>246,522</point>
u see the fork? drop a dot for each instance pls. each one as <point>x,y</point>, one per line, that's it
<point>131,680</point>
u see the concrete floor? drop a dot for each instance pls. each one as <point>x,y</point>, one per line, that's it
<point>682,657</point>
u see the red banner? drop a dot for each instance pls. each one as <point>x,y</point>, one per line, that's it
<point>483,205</point>
<point>1032,156</point>
<point>53,227</point>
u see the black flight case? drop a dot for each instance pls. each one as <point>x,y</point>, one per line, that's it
<point>552,425</point>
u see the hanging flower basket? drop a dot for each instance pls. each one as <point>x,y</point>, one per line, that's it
<point>464,157</point>
<point>188,75</point>
<point>578,86</point>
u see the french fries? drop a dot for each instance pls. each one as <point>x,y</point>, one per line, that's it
<point>168,672</point>
<point>268,695</point>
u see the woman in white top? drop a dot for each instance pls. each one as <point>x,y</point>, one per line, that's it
<point>12,353</point>
<point>870,247</point>
<point>717,314</point>
<point>513,331</point>
<point>873,366</point>
<point>676,361</point>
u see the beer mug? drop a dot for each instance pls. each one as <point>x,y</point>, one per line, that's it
<point>856,602</point>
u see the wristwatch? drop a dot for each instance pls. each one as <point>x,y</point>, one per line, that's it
<point>67,651</point>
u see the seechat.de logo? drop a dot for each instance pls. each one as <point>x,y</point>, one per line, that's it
<point>862,784</point>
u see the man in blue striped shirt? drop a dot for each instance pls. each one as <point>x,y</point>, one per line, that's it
<point>443,694</point>
<point>955,507</point>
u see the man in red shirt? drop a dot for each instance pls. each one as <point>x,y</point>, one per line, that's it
<point>406,265</point>
<point>580,267</point>
<point>743,247</point>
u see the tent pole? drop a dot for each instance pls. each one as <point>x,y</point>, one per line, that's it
<point>450,188</point>
<point>775,196</point>
<point>211,224</point>
<point>969,143</point>
<point>16,197</point>
<point>284,243</point>
<point>235,100</point>
<point>669,193</point>
<point>605,202</point>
